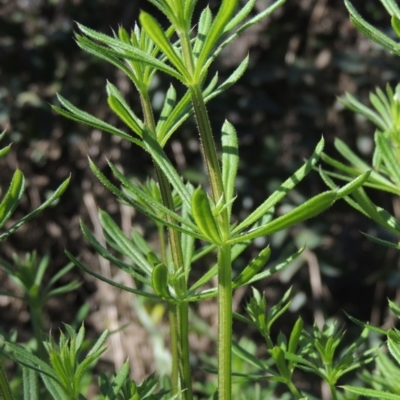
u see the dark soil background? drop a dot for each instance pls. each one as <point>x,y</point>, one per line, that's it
<point>301,59</point>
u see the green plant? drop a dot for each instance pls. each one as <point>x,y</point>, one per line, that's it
<point>27,274</point>
<point>13,196</point>
<point>385,115</point>
<point>320,353</point>
<point>385,177</point>
<point>65,373</point>
<point>185,51</point>
<point>197,223</point>
<point>8,205</point>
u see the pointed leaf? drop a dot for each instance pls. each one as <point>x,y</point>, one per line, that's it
<point>388,157</point>
<point>370,31</point>
<point>204,217</point>
<point>12,197</point>
<point>307,210</point>
<point>154,30</point>
<point>159,278</point>
<point>225,13</point>
<point>80,116</point>
<point>118,104</point>
<point>60,190</point>
<point>372,393</point>
<point>169,103</point>
<point>126,51</point>
<point>230,161</point>
<point>161,159</point>
<point>283,189</point>
<point>253,268</point>
<point>109,281</point>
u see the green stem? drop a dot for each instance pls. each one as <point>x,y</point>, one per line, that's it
<point>224,323</point>
<point>179,324</point>
<point>36,320</point>
<point>207,142</point>
<point>224,252</point>
<point>333,392</point>
<point>294,390</point>
<point>5,389</point>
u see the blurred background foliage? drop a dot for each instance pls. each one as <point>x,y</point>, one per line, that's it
<point>301,59</point>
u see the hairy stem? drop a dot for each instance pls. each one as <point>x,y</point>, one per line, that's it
<point>224,252</point>
<point>224,323</point>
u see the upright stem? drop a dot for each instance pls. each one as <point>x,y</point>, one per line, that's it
<point>207,142</point>
<point>179,318</point>
<point>224,252</point>
<point>224,323</point>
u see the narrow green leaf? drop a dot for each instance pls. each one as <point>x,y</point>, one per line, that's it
<point>307,210</point>
<point>372,393</point>
<point>24,357</point>
<point>236,250</point>
<point>395,24</point>
<point>60,190</point>
<point>353,185</point>
<point>109,281</point>
<point>391,7</point>
<point>122,113</point>
<point>350,156</point>
<point>225,13</point>
<point>126,245</point>
<point>240,16</point>
<point>367,326</point>
<point>282,191</point>
<point>147,199</point>
<point>161,159</point>
<point>113,189</point>
<point>239,31</point>
<point>253,268</point>
<point>127,51</point>
<point>382,105</point>
<point>380,216</point>
<point>295,338</point>
<point>55,389</point>
<point>154,30</point>
<point>159,278</point>
<point>394,308</point>
<point>118,382</point>
<point>279,357</point>
<point>353,104</point>
<point>248,357</point>
<point>203,28</point>
<point>80,116</point>
<point>230,161</point>
<point>276,268</point>
<point>394,349</point>
<point>5,388</point>
<point>370,31</point>
<point>204,217</point>
<point>12,197</point>
<point>63,289</point>
<point>169,104</point>
<point>232,79</point>
<point>388,157</point>
<point>5,150</point>
<point>382,242</point>
<point>122,109</point>
<point>108,256</point>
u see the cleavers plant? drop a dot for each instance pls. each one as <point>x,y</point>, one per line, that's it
<point>191,222</point>
<point>184,51</point>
